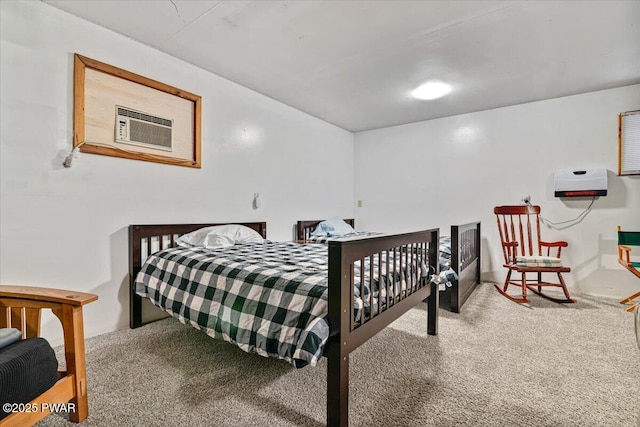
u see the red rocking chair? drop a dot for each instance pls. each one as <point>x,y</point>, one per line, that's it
<point>525,253</point>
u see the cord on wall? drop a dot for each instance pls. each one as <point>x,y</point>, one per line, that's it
<point>74,153</point>
<point>562,224</point>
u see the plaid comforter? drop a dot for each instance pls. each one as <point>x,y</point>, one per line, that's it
<point>267,298</point>
<point>447,274</point>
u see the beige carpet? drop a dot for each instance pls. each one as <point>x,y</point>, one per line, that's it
<point>495,364</point>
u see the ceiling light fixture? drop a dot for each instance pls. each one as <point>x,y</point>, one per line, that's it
<point>431,90</point>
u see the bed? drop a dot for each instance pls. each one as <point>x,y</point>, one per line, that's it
<point>352,265</point>
<point>459,258</point>
<point>464,251</point>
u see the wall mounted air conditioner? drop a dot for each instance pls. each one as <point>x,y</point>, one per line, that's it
<point>580,183</point>
<point>146,130</point>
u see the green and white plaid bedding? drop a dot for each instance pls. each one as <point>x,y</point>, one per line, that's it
<point>447,274</point>
<point>268,298</point>
<point>538,261</point>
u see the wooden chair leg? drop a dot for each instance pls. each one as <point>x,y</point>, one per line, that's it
<point>564,289</point>
<point>71,319</point>
<point>507,281</point>
<point>630,298</point>
<point>503,290</point>
<point>524,286</point>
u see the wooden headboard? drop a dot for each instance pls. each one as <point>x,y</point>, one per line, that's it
<point>147,239</point>
<point>305,228</point>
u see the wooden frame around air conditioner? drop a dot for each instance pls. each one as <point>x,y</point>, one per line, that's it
<point>105,145</point>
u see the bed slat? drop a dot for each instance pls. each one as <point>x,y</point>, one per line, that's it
<point>388,277</point>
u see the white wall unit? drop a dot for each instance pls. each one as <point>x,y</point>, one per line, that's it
<point>67,228</point>
<point>456,169</point>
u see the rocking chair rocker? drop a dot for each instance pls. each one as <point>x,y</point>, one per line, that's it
<point>525,253</point>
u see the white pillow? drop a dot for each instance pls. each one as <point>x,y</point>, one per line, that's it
<point>220,236</point>
<point>334,226</point>
<point>246,235</point>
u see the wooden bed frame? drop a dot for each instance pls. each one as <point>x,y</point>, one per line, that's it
<point>346,334</point>
<point>465,260</point>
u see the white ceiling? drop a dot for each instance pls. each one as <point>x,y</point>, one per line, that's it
<point>354,63</point>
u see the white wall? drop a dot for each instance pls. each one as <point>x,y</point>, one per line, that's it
<point>67,228</point>
<point>455,170</point>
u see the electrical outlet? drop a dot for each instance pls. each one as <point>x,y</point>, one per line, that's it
<point>359,203</point>
<point>526,199</point>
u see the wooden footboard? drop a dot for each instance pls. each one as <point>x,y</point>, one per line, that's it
<point>465,261</point>
<point>401,252</point>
